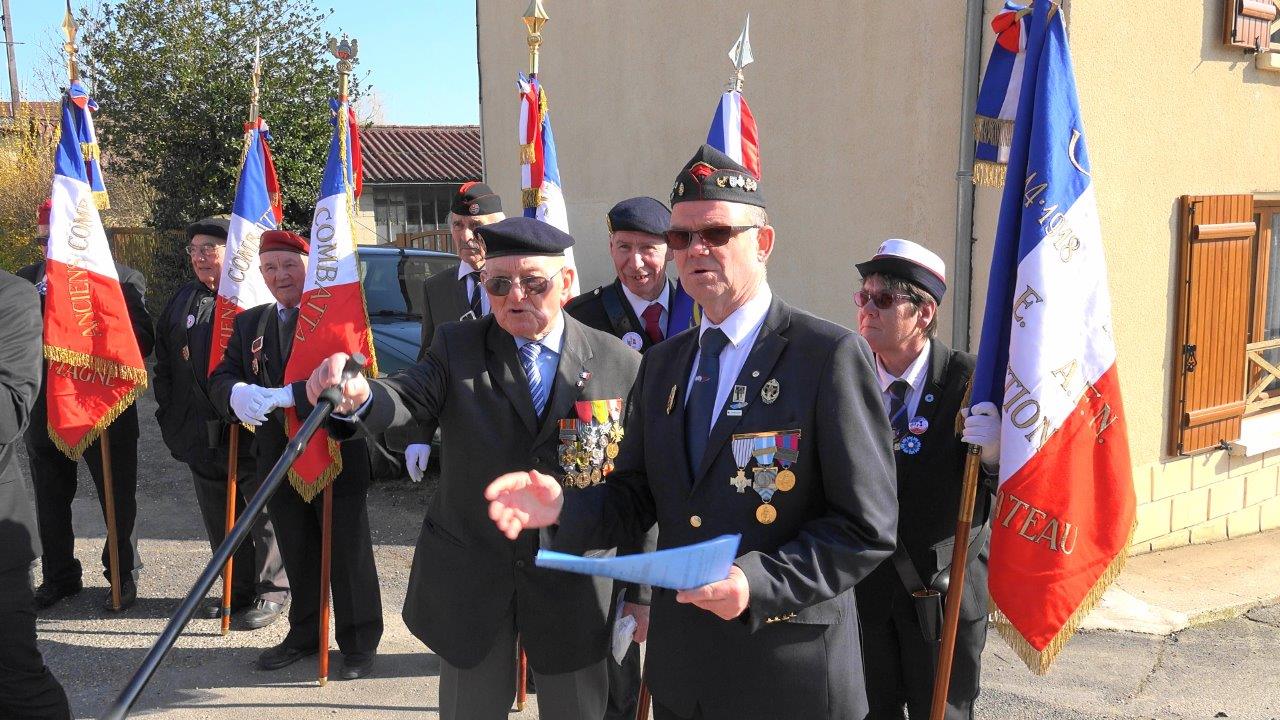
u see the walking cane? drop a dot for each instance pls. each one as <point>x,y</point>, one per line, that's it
<point>109,509</point>
<point>642,710</point>
<point>233,456</point>
<point>326,560</point>
<point>328,400</point>
<point>522,676</point>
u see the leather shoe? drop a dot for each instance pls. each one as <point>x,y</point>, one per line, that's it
<point>283,656</point>
<point>212,608</point>
<point>263,613</point>
<point>355,667</point>
<point>128,596</point>
<point>48,593</point>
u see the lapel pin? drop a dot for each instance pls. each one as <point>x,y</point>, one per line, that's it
<point>769,393</point>
<point>671,399</point>
<point>583,377</point>
<point>928,398</point>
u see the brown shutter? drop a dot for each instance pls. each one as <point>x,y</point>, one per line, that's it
<point>1247,23</point>
<point>1215,248</point>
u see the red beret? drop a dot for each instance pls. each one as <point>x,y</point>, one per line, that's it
<point>283,240</point>
<point>42,215</point>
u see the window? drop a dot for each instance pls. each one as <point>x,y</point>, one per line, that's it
<point>1262,353</point>
<point>1246,24</point>
<point>411,209</point>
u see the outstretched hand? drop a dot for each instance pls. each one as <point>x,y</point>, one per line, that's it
<point>523,500</point>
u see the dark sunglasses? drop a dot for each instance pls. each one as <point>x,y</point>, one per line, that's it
<point>882,299</point>
<point>533,285</point>
<point>712,236</point>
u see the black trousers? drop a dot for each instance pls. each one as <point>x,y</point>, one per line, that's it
<point>624,678</point>
<point>54,476</point>
<point>357,601</point>
<point>27,688</point>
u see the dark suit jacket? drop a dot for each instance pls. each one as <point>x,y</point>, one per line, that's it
<point>795,651</point>
<point>442,302</point>
<point>590,310</point>
<point>270,437</point>
<point>929,496</point>
<point>466,575</point>
<point>134,286</point>
<point>20,362</point>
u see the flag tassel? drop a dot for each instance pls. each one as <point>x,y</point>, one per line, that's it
<point>989,174</point>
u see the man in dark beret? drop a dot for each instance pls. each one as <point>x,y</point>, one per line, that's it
<point>196,432</point>
<point>249,384</point>
<point>524,385</point>
<point>764,422</point>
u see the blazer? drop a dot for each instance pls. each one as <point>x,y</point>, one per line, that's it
<point>443,301</point>
<point>592,310</point>
<point>795,652</point>
<point>467,577</point>
<point>21,352</point>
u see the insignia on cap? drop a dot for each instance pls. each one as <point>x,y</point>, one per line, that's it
<point>474,208</point>
<point>701,171</point>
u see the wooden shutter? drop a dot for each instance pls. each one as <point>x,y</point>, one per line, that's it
<point>1247,24</point>
<point>1215,251</point>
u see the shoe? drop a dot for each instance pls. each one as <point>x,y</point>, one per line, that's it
<point>48,593</point>
<point>282,656</point>
<point>262,614</point>
<point>212,609</point>
<point>355,667</point>
<point>128,596</point>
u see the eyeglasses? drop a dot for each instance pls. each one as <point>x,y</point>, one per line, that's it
<point>206,250</point>
<point>532,285</point>
<point>882,299</point>
<point>712,236</point>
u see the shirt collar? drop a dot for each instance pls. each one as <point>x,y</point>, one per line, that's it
<point>743,321</point>
<point>915,374</point>
<point>464,269</point>
<point>664,297</point>
<point>553,339</point>
<point>280,308</point>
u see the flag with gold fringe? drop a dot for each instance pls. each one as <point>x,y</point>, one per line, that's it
<point>540,188</point>
<point>82,117</point>
<point>998,96</point>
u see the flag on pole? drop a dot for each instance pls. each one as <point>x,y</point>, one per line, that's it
<point>83,118</point>
<point>540,187</point>
<point>1064,510</point>
<point>332,316</point>
<point>998,96</point>
<point>733,129</point>
<point>95,367</point>
<point>257,209</point>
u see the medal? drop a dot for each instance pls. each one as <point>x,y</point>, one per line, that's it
<point>739,395</point>
<point>742,456</point>
<point>918,425</point>
<point>191,320</point>
<point>633,340</point>
<point>909,444</point>
<point>611,450</point>
<point>769,393</point>
<point>788,453</point>
<point>766,514</point>
<point>186,354</point>
<point>785,480</point>
<point>595,476</point>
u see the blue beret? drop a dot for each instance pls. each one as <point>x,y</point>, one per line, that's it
<point>712,175</point>
<point>523,236</point>
<point>639,214</point>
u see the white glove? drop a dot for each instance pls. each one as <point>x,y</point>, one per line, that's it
<point>416,457</point>
<point>251,403</point>
<point>982,428</point>
<point>281,397</point>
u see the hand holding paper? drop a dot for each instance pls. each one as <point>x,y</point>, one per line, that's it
<point>684,568</point>
<point>726,598</point>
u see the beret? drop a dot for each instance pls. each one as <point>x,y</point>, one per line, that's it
<point>475,198</point>
<point>283,240</point>
<point>639,214</point>
<point>215,226</point>
<point>523,236</point>
<point>909,261</point>
<point>712,175</point>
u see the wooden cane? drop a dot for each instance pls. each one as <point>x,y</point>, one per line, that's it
<point>522,676</point>
<point>228,569</point>
<point>326,558</point>
<point>955,588</point>
<point>642,710</point>
<point>109,509</point>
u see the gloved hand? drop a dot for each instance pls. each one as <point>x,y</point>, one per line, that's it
<point>281,397</point>
<point>982,428</point>
<point>251,403</point>
<point>416,457</point>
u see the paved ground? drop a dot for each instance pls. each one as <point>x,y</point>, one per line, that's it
<point>1226,669</point>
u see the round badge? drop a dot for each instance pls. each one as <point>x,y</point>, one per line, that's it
<point>766,514</point>
<point>611,450</point>
<point>474,208</point>
<point>910,445</point>
<point>918,425</point>
<point>191,320</point>
<point>928,398</point>
<point>633,340</point>
<point>785,480</point>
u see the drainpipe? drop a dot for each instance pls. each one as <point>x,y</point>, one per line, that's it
<point>962,267</point>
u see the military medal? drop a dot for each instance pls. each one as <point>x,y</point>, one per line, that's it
<point>769,393</point>
<point>671,399</point>
<point>186,354</point>
<point>191,320</point>
<point>909,444</point>
<point>633,340</point>
<point>918,425</point>
<point>256,349</point>
<point>766,514</point>
<point>763,447</point>
<point>788,453</point>
<point>742,456</point>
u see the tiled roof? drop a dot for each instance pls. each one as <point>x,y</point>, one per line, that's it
<point>421,153</point>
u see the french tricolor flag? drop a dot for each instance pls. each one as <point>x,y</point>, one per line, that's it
<point>1064,510</point>
<point>733,131</point>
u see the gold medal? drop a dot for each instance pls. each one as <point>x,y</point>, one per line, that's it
<point>766,514</point>
<point>595,476</point>
<point>611,451</point>
<point>785,480</point>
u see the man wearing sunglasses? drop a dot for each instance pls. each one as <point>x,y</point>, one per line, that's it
<point>766,422</point>
<point>526,386</point>
<point>923,385</point>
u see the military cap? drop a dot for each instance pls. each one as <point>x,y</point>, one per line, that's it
<point>639,214</point>
<point>215,226</point>
<point>475,198</point>
<point>43,212</point>
<point>712,175</point>
<point>283,240</point>
<point>523,236</point>
<point>909,261</point>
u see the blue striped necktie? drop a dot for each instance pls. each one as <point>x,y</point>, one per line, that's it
<point>898,406</point>
<point>537,387</point>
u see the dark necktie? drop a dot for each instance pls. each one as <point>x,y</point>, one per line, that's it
<point>652,328</point>
<point>898,407</point>
<point>288,323</point>
<point>472,279</point>
<point>702,397</point>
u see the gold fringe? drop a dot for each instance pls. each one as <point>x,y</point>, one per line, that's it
<point>527,154</point>
<point>90,151</point>
<point>101,200</point>
<point>531,197</point>
<point>1038,661</point>
<point>309,491</point>
<point>110,368</point>
<point>77,451</point>
<point>993,131</point>
<point>989,174</point>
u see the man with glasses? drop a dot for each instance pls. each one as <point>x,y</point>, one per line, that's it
<point>923,384</point>
<point>527,386</point>
<point>766,422</point>
<point>197,434</point>
<point>54,474</point>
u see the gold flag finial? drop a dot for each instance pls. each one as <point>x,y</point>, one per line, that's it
<point>534,18</point>
<point>70,29</point>
<point>346,52</point>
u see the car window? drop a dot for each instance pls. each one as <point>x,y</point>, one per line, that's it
<point>393,282</point>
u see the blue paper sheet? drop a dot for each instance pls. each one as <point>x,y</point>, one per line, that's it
<point>681,568</point>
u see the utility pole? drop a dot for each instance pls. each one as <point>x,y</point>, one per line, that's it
<point>13,63</point>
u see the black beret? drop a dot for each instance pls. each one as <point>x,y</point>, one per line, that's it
<point>216,226</point>
<point>523,236</point>
<point>909,261</point>
<point>712,175</point>
<point>639,214</point>
<point>476,198</point>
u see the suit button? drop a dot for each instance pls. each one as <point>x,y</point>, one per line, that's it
<point>519,563</point>
<point>695,521</point>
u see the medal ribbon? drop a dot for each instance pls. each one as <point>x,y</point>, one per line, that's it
<point>742,451</point>
<point>764,449</point>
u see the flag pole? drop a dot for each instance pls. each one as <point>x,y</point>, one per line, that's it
<point>522,676</point>
<point>326,560</point>
<point>109,509</point>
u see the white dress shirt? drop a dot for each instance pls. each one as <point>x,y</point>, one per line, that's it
<point>742,327</point>
<point>464,271</point>
<point>639,305</point>
<point>916,375</point>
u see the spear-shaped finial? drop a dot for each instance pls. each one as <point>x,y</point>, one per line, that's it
<point>535,16</point>
<point>70,29</point>
<point>740,54</point>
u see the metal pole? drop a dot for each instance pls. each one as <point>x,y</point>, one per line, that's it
<point>109,510</point>
<point>14,100</point>
<point>962,292</point>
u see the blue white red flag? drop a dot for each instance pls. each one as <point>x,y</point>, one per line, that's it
<point>540,188</point>
<point>1064,510</point>
<point>733,131</point>
<point>998,95</point>
<point>82,117</point>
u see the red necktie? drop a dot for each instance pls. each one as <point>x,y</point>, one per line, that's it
<point>651,315</point>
